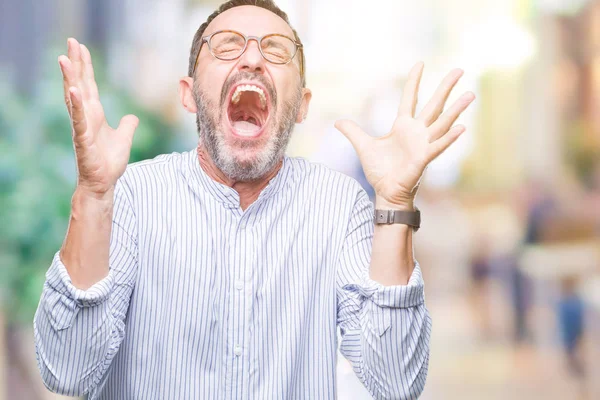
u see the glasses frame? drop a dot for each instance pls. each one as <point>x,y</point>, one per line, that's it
<point>206,39</point>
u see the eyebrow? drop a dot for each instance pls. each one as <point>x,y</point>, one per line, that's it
<point>232,38</point>
<point>271,42</point>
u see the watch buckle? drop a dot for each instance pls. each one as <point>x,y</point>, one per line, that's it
<point>385,217</point>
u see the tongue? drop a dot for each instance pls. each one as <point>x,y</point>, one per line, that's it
<point>245,128</point>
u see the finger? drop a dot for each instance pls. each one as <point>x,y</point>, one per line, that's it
<point>435,106</point>
<point>357,137</point>
<point>447,119</point>
<point>77,112</point>
<point>440,145</point>
<point>408,102</point>
<point>89,77</point>
<point>67,72</point>
<point>74,52</point>
<point>128,125</point>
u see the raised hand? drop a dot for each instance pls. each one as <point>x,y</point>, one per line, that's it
<point>102,152</point>
<point>393,164</point>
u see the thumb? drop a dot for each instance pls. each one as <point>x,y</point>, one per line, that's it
<point>353,132</point>
<point>128,125</point>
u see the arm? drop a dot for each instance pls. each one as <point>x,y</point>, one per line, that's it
<point>85,249</point>
<point>394,165</point>
<point>77,331</point>
<point>79,322</point>
<point>392,259</point>
<point>380,293</point>
<point>385,329</point>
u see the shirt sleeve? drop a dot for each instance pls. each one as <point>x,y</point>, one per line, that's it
<point>78,332</point>
<point>385,329</point>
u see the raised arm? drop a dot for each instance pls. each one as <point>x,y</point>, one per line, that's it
<point>382,315</point>
<point>79,323</point>
<point>102,154</point>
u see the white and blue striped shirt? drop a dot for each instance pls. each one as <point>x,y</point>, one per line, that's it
<point>206,301</point>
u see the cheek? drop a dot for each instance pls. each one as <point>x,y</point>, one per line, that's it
<point>212,92</point>
<point>285,95</point>
<point>211,83</point>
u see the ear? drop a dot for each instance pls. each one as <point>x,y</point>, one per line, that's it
<point>303,111</point>
<point>186,94</point>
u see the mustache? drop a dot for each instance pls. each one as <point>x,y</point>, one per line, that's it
<point>245,75</point>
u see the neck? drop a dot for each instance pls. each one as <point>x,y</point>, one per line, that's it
<point>248,191</point>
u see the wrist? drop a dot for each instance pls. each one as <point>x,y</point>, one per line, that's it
<point>84,200</point>
<point>86,194</point>
<point>404,205</point>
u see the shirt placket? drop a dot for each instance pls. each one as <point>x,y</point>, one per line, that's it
<point>240,305</point>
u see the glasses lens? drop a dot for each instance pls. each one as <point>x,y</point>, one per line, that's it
<point>278,49</point>
<point>227,45</point>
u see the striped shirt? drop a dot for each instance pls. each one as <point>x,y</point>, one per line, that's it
<point>205,300</point>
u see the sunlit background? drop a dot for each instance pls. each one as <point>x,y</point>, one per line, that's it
<point>510,243</point>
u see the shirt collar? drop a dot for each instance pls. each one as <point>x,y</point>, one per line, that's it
<point>201,183</point>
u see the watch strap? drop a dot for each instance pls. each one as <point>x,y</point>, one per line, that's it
<point>412,218</point>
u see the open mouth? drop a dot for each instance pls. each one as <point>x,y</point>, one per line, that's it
<point>248,110</point>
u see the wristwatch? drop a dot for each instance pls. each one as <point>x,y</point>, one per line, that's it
<point>412,218</point>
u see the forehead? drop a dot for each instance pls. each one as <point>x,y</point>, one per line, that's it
<point>251,21</point>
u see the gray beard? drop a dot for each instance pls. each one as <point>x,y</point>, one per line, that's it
<point>267,158</point>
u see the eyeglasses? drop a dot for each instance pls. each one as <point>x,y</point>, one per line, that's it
<point>229,45</point>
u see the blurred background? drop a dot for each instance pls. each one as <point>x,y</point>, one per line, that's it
<point>510,242</point>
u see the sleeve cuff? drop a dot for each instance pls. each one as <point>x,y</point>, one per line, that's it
<point>398,296</point>
<point>58,279</point>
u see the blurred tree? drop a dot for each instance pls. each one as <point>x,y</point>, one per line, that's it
<point>38,175</point>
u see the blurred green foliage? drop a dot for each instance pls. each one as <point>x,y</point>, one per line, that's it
<point>38,175</point>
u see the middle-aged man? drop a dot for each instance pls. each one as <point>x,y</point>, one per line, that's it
<point>226,271</point>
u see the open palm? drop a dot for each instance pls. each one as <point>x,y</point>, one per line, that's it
<point>102,152</point>
<point>393,164</point>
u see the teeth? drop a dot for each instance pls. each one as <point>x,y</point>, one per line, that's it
<point>249,88</point>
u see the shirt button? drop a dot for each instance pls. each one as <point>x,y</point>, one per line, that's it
<point>239,285</point>
<point>237,350</point>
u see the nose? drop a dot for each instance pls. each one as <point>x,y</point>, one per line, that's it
<point>252,60</point>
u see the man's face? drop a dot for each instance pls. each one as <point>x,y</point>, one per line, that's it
<point>246,108</point>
